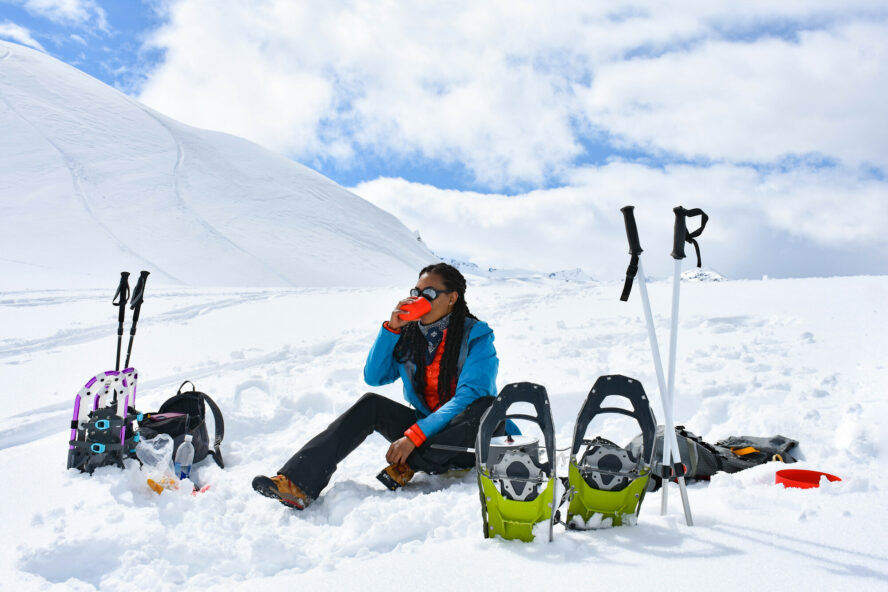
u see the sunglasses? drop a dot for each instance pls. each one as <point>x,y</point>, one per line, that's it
<point>428,293</point>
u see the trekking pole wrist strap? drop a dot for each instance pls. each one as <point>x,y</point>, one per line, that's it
<point>634,249</point>
<point>631,272</point>
<point>681,235</point>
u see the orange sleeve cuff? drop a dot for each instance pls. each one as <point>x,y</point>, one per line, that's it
<point>388,328</point>
<point>415,434</point>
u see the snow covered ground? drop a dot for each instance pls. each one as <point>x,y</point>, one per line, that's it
<point>803,358</point>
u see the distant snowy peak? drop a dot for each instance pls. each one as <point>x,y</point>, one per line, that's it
<point>702,274</point>
<point>569,275</point>
<point>93,182</point>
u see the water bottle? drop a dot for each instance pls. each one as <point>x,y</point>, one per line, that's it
<point>184,458</point>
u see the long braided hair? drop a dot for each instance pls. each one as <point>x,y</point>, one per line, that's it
<point>412,345</point>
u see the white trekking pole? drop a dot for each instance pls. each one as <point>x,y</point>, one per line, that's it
<point>670,443</point>
<point>679,237</point>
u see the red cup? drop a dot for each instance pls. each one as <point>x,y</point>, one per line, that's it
<point>415,309</point>
<point>802,478</point>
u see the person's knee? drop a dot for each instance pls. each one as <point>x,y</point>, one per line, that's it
<point>474,412</point>
<point>367,402</point>
<point>480,405</point>
<point>369,399</point>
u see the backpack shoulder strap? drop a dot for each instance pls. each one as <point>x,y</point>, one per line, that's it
<point>464,346</point>
<point>220,429</point>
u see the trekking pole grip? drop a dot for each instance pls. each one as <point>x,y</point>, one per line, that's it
<point>121,297</point>
<point>631,230</point>
<point>680,233</point>
<point>119,300</point>
<point>138,298</point>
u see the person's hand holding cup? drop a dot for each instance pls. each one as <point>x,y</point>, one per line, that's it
<point>409,309</point>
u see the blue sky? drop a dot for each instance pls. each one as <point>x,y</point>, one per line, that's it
<point>104,40</point>
<point>502,115</point>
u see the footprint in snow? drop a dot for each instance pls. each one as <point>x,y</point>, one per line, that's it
<point>252,398</point>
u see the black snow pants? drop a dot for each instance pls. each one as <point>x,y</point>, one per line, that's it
<point>312,467</point>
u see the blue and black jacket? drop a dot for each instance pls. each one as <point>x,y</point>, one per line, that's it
<point>477,376</point>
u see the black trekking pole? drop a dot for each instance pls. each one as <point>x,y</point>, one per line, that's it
<point>136,306</point>
<point>119,300</point>
<point>670,442</point>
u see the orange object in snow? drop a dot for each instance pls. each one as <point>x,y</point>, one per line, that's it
<point>165,482</point>
<point>172,484</point>
<point>415,309</point>
<point>802,478</point>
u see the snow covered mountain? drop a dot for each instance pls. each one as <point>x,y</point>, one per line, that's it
<point>92,182</point>
<point>475,270</point>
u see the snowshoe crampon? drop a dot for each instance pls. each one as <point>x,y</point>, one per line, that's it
<point>516,479</point>
<point>107,435</point>
<point>606,479</point>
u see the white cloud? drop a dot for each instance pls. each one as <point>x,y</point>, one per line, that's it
<point>757,102</point>
<point>510,89</point>
<point>754,97</point>
<point>68,12</point>
<point>14,32</point>
<point>779,224</point>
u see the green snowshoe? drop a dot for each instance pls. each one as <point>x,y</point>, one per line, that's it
<point>607,483</point>
<point>516,479</point>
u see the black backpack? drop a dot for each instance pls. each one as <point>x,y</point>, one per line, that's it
<point>185,413</point>
<point>702,459</point>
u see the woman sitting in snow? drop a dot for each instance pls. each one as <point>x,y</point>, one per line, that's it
<point>447,363</point>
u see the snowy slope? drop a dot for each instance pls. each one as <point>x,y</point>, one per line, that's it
<point>801,358</point>
<point>92,181</point>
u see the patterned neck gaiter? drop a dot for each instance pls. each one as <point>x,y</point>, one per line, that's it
<point>434,333</point>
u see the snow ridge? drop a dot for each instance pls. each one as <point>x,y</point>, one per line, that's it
<point>91,181</point>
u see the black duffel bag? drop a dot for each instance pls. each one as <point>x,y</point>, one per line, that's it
<point>702,459</point>
<point>185,413</point>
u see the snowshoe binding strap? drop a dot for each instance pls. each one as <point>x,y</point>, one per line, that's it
<point>518,476</point>
<point>608,467</point>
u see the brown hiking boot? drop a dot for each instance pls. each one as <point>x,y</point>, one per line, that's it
<point>283,490</point>
<point>395,476</point>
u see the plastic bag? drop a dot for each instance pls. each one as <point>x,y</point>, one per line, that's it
<point>156,455</point>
